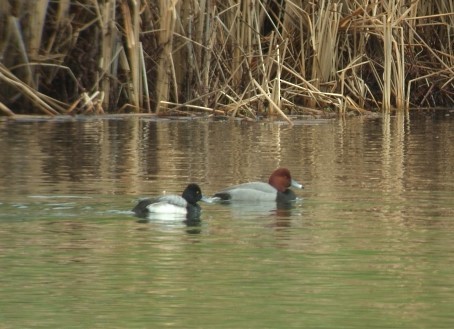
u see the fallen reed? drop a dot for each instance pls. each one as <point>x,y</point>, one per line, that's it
<point>237,58</point>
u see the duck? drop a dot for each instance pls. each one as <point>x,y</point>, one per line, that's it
<point>176,205</point>
<point>277,189</point>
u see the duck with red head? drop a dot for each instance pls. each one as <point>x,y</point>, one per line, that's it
<point>277,189</point>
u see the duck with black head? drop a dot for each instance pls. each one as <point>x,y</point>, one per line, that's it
<point>172,206</point>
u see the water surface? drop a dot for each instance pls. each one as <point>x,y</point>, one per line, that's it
<point>368,245</point>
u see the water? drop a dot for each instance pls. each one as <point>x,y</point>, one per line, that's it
<point>368,246</point>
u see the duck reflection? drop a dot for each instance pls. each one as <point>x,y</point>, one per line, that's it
<point>192,224</point>
<point>260,209</point>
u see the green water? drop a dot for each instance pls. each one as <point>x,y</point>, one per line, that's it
<point>368,246</point>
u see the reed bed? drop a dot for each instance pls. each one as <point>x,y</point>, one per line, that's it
<point>238,58</point>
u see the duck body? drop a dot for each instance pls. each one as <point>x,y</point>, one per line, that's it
<point>277,189</point>
<point>184,205</point>
<point>252,191</point>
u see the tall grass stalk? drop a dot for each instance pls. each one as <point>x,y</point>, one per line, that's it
<point>106,14</point>
<point>38,9</point>
<point>132,29</point>
<point>167,11</point>
<point>5,110</point>
<point>387,65</point>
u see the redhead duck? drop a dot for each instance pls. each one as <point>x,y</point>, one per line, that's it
<point>184,205</point>
<point>277,189</point>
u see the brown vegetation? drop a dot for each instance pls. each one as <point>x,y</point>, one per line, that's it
<point>240,58</point>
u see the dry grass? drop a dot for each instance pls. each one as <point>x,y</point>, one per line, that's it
<point>238,58</point>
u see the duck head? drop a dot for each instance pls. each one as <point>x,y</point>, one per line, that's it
<point>281,180</point>
<point>192,194</point>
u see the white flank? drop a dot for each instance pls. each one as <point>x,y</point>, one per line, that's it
<point>166,208</point>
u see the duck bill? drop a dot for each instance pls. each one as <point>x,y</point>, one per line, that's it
<point>207,199</point>
<point>295,184</point>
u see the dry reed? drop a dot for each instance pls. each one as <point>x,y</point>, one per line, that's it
<point>239,58</point>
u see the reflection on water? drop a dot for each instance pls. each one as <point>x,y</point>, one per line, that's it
<point>259,209</point>
<point>369,243</point>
